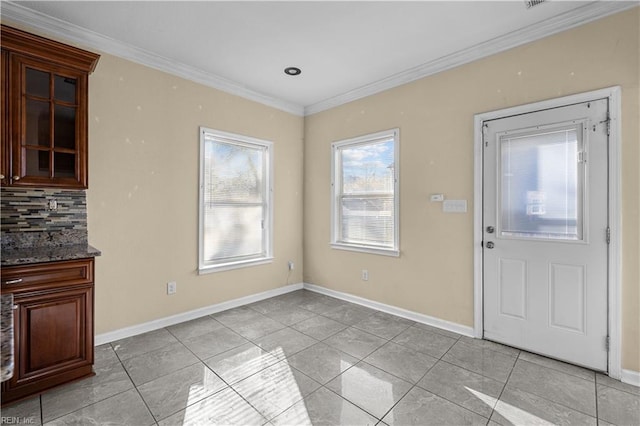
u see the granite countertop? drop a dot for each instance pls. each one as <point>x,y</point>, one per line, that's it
<point>23,248</point>
<point>6,338</point>
<point>41,254</point>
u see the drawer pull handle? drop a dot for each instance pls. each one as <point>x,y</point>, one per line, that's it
<point>16,177</point>
<point>16,281</point>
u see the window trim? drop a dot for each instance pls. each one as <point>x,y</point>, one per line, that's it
<point>336,181</point>
<point>206,267</point>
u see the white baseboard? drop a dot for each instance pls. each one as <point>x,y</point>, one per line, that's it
<point>393,310</point>
<point>134,330</point>
<point>630,377</point>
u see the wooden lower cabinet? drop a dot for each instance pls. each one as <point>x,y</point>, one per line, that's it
<point>53,325</point>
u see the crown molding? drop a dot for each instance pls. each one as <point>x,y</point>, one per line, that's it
<point>75,34</point>
<point>563,22</point>
<point>60,29</point>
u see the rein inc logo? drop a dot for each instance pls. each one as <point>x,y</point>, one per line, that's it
<point>15,420</point>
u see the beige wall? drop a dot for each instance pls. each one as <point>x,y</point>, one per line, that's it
<point>142,198</point>
<point>143,192</point>
<point>434,274</point>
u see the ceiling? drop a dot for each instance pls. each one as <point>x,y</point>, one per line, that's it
<point>346,49</point>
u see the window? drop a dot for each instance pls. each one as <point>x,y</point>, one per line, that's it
<point>235,201</point>
<point>365,193</point>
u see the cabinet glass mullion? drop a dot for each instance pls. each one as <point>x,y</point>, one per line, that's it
<point>52,126</point>
<point>37,123</point>
<point>37,162</point>
<point>37,83</point>
<point>65,124</point>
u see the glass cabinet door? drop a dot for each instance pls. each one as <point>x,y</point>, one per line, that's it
<point>44,111</point>
<point>48,138</point>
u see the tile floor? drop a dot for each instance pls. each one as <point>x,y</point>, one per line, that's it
<point>305,358</point>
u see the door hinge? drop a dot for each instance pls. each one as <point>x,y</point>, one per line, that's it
<point>262,224</point>
<point>608,235</point>
<point>608,126</point>
<point>485,126</point>
<point>607,343</point>
<point>582,157</point>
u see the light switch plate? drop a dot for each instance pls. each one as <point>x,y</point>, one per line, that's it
<point>454,206</point>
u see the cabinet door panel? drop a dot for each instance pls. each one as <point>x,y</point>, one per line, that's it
<point>55,333</point>
<point>55,330</point>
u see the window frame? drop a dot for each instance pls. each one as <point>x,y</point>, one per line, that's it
<point>336,193</point>
<point>266,256</point>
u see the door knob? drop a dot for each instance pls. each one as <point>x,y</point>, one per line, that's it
<point>490,245</point>
<point>490,229</point>
<point>16,177</point>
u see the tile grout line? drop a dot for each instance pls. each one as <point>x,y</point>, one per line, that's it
<point>188,366</point>
<point>390,340</point>
<point>133,383</point>
<point>351,402</point>
<point>359,360</point>
<point>41,409</point>
<point>249,403</point>
<point>493,409</point>
<point>285,359</point>
<point>232,386</point>
<point>443,397</point>
<point>635,395</point>
<point>165,375</point>
<point>547,399</point>
<point>87,405</point>
<point>595,385</point>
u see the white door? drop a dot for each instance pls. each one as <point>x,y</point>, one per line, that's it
<point>545,230</point>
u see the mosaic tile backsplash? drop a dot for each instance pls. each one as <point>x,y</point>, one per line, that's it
<point>28,221</point>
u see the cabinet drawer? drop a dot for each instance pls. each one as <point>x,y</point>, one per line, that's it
<point>25,278</point>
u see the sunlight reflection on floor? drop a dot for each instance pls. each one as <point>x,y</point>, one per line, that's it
<point>514,414</point>
<point>276,386</point>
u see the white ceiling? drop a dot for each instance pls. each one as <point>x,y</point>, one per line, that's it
<point>346,49</point>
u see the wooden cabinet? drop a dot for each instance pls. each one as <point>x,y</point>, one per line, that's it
<point>44,99</point>
<point>53,325</point>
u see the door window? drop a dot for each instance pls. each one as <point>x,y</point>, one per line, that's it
<point>542,183</point>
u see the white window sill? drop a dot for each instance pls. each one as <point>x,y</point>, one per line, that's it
<point>366,249</point>
<point>234,265</point>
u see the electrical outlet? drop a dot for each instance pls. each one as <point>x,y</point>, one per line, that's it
<point>291,265</point>
<point>365,275</point>
<point>52,205</point>
<point>171,287</point>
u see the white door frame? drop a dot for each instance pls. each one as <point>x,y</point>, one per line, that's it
<point>614,261</point>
